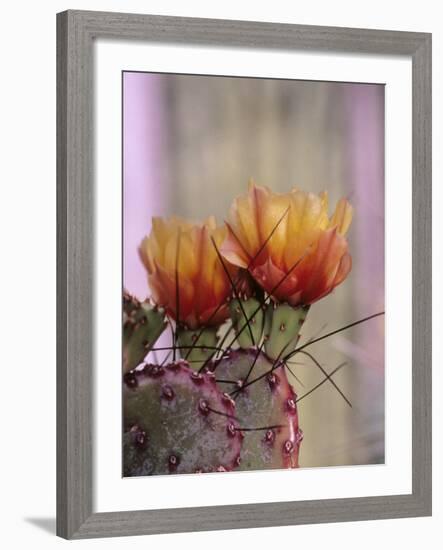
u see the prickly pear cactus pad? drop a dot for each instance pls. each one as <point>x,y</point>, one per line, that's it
<point>282,328</point>
<point>194,344</point>
<point>248,312</point>
<point>177,421</point>
<point>266,409</point>
<point>142,325</point>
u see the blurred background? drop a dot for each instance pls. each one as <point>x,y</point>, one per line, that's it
<point>190,145</point>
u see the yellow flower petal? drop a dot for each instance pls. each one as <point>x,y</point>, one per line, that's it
<point>180,254</point>
<point>342,216</point>
<point>290,238</point>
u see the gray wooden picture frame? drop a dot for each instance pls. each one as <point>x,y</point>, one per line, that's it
<point>76,32</point>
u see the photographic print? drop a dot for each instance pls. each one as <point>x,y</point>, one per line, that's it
<point>253,274</point>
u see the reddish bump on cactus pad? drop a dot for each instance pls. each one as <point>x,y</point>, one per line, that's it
<point>288,447</point>
<point>173,462</point>
<point>230,428</point>
<point>177,421</point>
<point>273,380</point>
<point>291,407</point>
<point>203,407</point>
<point>270,437</point>
<point>197,377</point>
<point>168,392</point>
<point>139,436</point>
<point>130,379</point>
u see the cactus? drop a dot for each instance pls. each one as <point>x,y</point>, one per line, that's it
<point>219,408</point>
<point>177,421</point>
<point>247,313</point>
<point>282,328</point>
<point>142,325</point>
<point>192,345</point>
<point>266,409</point>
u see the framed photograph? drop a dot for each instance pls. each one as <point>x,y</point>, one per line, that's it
<point>244,274</point>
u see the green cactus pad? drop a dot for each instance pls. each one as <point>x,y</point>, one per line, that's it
<point>177,421</point>
<point>268,402</point>
<point>282,329</point>
<point>192,345</point>
<point>142,325</point>
<point>246,314</point>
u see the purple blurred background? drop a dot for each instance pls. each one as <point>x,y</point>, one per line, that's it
<point>191,143</point>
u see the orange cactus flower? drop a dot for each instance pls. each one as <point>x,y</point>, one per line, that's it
<point>178,253</point>
<point>288,242</point>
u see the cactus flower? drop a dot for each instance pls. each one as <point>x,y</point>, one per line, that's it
<point>288,242</point>
<point>183,263</point>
